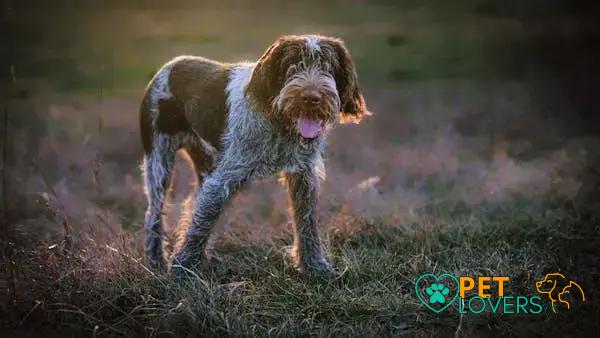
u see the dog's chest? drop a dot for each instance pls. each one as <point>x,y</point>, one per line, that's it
<point>294,154</point>
<point>263,149</point>
<point>277,153</point>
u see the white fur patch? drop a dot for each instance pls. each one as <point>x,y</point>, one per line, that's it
<point>238,79</point>
<point>241,118</point>
<point>313,46</point>
<point>159,88</point>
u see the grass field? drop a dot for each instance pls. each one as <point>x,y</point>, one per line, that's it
<point>104,289</point>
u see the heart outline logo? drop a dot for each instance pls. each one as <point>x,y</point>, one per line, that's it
<point>437,279</point>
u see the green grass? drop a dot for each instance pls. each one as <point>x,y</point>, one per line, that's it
<point>105,290</point>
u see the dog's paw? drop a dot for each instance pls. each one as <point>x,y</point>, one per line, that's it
<point>154,255</point>
<point>184,265</point>
<point>157,264</point>
<point>318,266</point>
<point>310,265</point>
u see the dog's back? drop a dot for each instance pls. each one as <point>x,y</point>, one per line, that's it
<point>186,95</point>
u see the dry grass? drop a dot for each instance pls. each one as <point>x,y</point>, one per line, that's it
<point>102,288</point>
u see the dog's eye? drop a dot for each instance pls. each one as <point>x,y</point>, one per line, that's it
<point>548,281</point>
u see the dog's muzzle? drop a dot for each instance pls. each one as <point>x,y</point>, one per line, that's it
<point>309,128</point>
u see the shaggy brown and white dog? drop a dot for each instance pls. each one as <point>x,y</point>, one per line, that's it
<point>244,121</point>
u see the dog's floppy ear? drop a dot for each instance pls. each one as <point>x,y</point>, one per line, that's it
<point>353,106</point>
<point>267,79</point>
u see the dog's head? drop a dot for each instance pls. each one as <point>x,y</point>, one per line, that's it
<point>571,292</point>
<point>548,284</point>
<point>306,81</point>
<point>564,295</point>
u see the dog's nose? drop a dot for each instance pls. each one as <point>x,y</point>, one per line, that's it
<point>311,97</point>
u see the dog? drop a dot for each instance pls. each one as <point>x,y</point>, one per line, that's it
<point>559,290</point>
<point>244,121</point>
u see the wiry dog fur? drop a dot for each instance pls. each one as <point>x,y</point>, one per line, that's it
<point>238,122</point>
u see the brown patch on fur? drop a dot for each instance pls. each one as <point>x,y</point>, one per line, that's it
<point>203,162</point>
<point>198,87</point>
<point>353,106</point>
<point>269,74</point>
<point>170,118</point>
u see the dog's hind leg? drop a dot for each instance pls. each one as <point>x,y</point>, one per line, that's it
<point>202,160</point>
<point>217,188</point>
<point>157,169</point>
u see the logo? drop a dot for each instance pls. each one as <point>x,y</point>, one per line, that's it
<point>437,291</point>
<point>491,294</point>
<point>560,291</point>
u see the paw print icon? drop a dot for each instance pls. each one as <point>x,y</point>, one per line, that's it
<point>437,293</point>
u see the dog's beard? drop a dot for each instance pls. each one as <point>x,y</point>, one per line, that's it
<point>289,107</point>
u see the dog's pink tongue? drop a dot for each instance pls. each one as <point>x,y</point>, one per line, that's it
<point>309,128</point>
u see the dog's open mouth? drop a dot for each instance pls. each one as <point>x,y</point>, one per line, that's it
<point>309,128</point>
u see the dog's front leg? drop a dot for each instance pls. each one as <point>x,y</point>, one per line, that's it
<point>216,190</point>
<point>307,252</point>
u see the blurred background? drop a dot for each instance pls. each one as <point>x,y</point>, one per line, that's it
<point>476,103</point>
